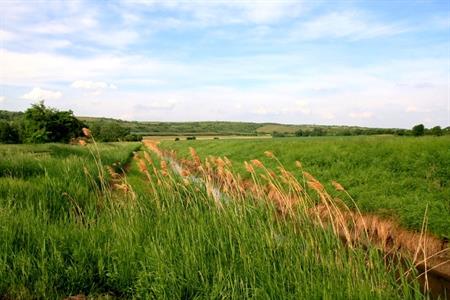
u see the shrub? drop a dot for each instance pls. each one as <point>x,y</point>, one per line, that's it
<point>133,137</point>
<point>8,133</point>
<point>278,134</point>
<point>110,131</point>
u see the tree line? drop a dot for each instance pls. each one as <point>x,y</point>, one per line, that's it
<point>41,124</point>
<point>417,130</point>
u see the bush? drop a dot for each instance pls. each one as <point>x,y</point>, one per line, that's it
<point>177,139</point>
<point>9,134</point>
<point>278,134</point>
<point>110,132</point>
<point>400,132</point>
<point>190,138</point>
<point>133,137</point>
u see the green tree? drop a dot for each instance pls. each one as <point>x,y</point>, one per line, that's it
<point>436,130</point>
<point>299,133</point>
<point>418,130</point>
<point>42,125</point>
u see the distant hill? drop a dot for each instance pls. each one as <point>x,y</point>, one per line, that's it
<point>182,128</point>
<point>232,128</point>
<point>219,127</point>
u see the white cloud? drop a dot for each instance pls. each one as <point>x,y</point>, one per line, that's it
<point>6,36</point>
<point>411,108</point>
<point>347,24</point>
<point>268,11</point>
<point>231,12</point>
<point>92,85</point>
<point>415,109</point>
<point>56,44</point>
<point>361,115</point>
<point>157,105</point>
<point>327,115</point>
<point>41,68</point>
<point>54,27</point>
<point>2,99</point>
<point>302,107</point>
<point>262,111</point>
<point>114,39</point>
<point>40,94</point>
<point>440,22</point>
<point>291,108</point>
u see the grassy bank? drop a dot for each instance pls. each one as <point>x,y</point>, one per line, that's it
<point>391,176</point>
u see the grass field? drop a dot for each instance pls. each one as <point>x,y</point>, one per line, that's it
<point>396,177</point>
<point>65,231</point>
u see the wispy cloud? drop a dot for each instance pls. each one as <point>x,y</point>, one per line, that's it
<point>6,36</point>
<point>231,12</point>
<point>355,25</point>
<point>92,85</point>
<point>40,68</point>
<point>151,105</point>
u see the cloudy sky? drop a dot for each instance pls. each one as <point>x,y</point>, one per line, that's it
<point>371,63</point>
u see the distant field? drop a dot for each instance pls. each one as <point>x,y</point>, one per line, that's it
<point>205,137</point>
<point>396,177</point>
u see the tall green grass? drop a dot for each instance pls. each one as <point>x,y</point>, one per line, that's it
<point>396,177</point>
<point>167,241</point>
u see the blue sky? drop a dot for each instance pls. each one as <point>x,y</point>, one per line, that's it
<point>369,63</point>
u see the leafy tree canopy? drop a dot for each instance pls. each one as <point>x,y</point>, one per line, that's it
<point>42,125</point>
